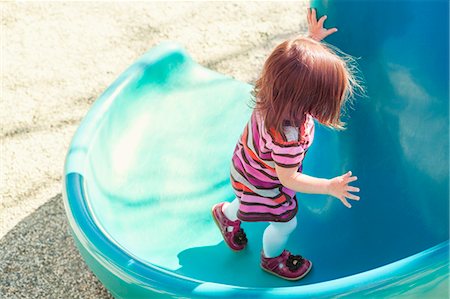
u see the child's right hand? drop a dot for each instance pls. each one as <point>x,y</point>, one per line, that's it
<point>339,188</point>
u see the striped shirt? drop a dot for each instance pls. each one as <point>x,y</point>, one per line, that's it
<point>253,175</point>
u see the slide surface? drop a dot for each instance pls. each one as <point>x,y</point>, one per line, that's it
<point>153,155</point>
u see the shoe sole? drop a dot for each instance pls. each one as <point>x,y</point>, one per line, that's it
<point>223,236</point>
<point>291,279</point>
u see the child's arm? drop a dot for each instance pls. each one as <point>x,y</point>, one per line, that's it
<point>315,28</point>
<point>337,187</point>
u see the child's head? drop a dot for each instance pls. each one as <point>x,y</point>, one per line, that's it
<point>303,76</point>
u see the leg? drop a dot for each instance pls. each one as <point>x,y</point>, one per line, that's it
<point>276,236</point>
<point>230,209</point>
<point>277,260</point>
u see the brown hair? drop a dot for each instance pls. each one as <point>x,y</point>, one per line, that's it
<point>303,76</point>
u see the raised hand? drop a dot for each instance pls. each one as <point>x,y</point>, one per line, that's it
<point>339,188</point>
<point>316,30</point>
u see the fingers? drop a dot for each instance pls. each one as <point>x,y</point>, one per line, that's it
<point>351,196</point>
<point>352,189</point>
<point>321,21</point>
<point>311,16</point>
<point>351,179</point>
<point>346,177</point>
<point>331,31</point>
<point>345,202</point>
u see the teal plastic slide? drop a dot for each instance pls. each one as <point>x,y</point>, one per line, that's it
<point>153,154</point>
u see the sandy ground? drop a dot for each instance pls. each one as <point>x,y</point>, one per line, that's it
<point>56,59</point>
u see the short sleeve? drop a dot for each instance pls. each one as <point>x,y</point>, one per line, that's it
<point>289,149</point>
<point>284,153</point>
<point>287,153</point>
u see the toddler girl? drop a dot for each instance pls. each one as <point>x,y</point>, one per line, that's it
<point>302,80</point>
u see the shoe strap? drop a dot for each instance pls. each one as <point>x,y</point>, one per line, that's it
<point>228,222</point>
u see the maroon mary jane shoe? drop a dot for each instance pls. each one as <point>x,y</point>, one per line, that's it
<point>286,265</point>
<point>232,232</point>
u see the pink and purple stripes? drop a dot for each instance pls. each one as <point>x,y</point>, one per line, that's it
<point>253,174</point>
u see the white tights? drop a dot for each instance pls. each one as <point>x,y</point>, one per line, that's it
<point>275,235</point>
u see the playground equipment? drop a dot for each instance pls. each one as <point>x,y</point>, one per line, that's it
<point>152,156</point>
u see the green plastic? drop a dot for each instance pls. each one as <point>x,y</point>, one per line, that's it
<point>152,156</point>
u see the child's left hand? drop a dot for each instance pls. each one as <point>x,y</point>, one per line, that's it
<point>316,30</point>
